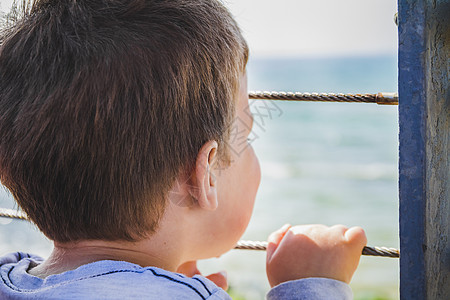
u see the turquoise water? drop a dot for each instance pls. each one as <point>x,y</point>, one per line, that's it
<point>330,163</point>
<point>324,163</point>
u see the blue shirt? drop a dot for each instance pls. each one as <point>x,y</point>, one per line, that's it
<point>109,279</point>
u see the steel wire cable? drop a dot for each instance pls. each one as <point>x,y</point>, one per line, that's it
<point>380,98</point>
<point>242,245</point>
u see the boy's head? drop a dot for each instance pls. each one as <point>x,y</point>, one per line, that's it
<point>103,103</point>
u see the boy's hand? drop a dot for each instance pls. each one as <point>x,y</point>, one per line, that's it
<point>314,251</point>
<point>190,269</point>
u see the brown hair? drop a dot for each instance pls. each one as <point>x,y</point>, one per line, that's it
<point>103,102</point>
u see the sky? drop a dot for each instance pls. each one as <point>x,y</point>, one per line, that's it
<point>314,28</point>
<point>317,27</point>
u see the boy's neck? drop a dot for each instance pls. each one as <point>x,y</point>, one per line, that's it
<point>164,249</point>
<point>70,256</point>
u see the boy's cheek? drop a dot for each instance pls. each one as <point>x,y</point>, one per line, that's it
<point>257,168</point>
<point>253,170</point>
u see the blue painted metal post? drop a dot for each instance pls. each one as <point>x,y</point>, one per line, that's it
<point>424,118</point>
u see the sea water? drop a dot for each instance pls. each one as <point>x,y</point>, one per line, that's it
<point>328,163</point>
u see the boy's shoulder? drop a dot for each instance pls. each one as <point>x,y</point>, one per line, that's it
<point>105,279</point>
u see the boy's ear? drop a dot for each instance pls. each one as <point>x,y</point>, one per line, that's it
<point>203,182</point>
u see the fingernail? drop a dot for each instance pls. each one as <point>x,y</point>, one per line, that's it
<point>285,227</point>
<point>224,274</point>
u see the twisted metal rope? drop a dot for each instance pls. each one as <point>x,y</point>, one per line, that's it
<point>370,251</point>
<point>243,245</point>
<point>12,214</point>
<point>380,98</point>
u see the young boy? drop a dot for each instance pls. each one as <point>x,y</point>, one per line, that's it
<point>115,139</point>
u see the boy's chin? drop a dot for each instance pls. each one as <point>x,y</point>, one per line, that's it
<point>217,253</point>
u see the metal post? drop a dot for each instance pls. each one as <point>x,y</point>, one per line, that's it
<point>424,118</point>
